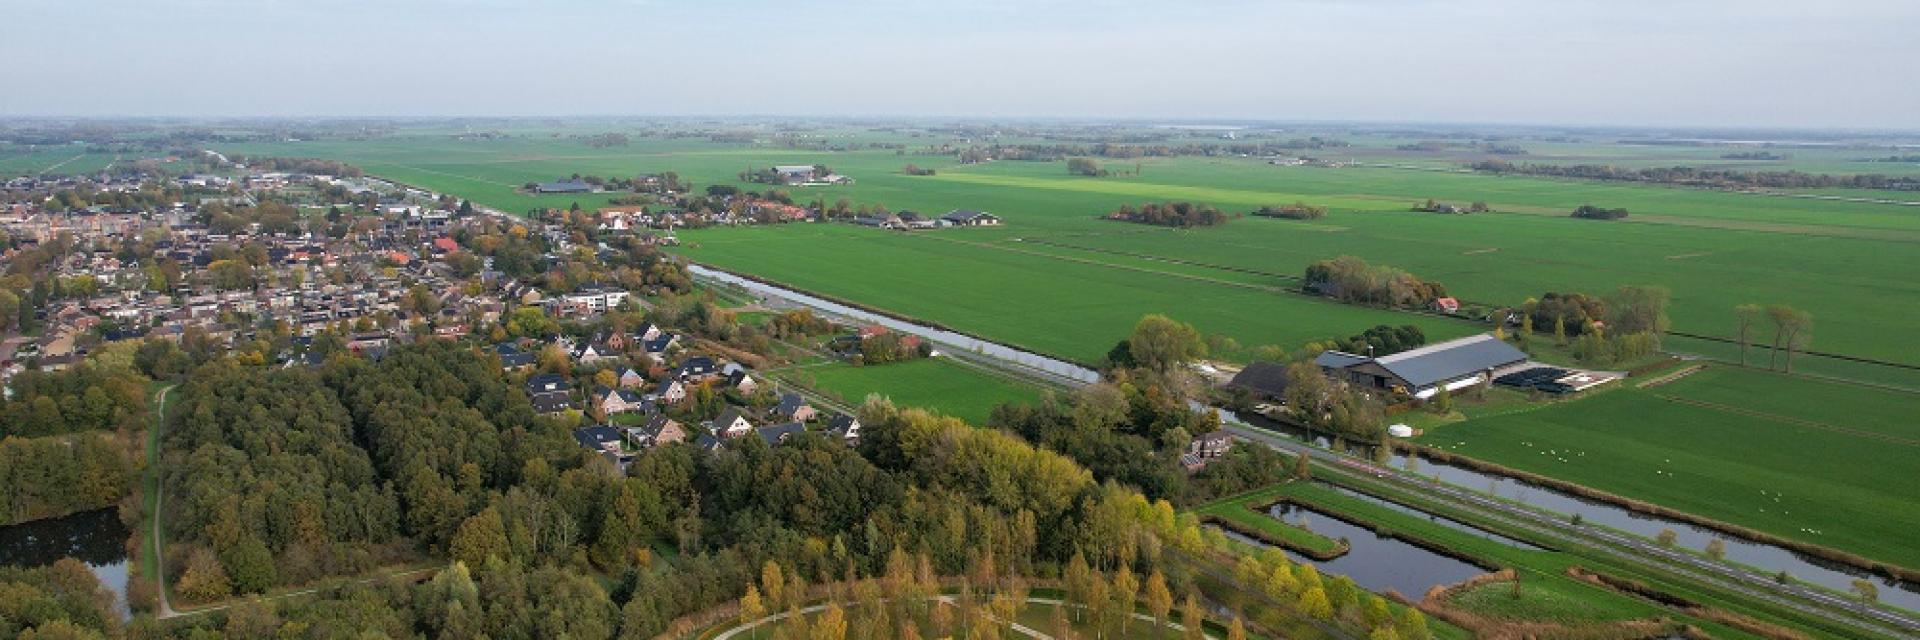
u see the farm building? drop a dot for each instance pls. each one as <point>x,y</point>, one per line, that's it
<point>970,218</point>
<point>1421,372</point>
<point>1266,380</point>
<point>563,186</point>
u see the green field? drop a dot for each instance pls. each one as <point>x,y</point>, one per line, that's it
<point>1846,262</point>
<point>49,160</point>
<point>937,384</point>
<point>1058,280</point>
<point>1833,457</point>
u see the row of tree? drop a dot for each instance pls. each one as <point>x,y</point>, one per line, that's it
<point>1792,330</point>
<point>1698,177</point>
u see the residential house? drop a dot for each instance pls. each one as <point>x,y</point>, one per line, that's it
<point>793,408</point>
<point>550,393</point>
<point>845,427</point>
<point>611,401</point>
<point>600,439</point>
<point>629,378</point>
<point>670,391</point>
<point>780,433</point>
<point>731,423</point>
<point>661,430</point>
<point>512,358</point>
<point>697,369</point>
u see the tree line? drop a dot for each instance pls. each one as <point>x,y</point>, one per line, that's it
<point>1698,177</point>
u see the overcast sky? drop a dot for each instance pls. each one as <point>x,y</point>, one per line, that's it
<point>1830,63</point>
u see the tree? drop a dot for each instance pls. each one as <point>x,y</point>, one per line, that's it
<point>1085,167</point>
<point>832,624</point>
<point>1640,309</point>
<point>1236,630</point>
<point>1302,468</point>
<point>480,537</point>
<point>1412,625</point>
<point>1716,548</point>
<point>1161,343</point>
<point>1746,315</point>
<point>751,608</point>
<point>1867,591</point>
<point>204,580</point>
<point>772,583</point>
<point>250,565</point>
<point>1313,602</point>
<point>1666,537</point>
<point>1789,327</point>
<point>1159,599</point>
<point>1126,589</point>
<point>1191,619</point>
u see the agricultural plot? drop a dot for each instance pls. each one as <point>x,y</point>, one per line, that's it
<point>61,160</point>
<point>1826,463</point>
<point>1844,261</point>
<point>938,384</point>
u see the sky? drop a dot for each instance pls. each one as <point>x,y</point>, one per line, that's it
<point>1746,63</point>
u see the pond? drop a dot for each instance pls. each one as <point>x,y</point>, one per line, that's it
<point>96,538</point>
<point>1375,563</point>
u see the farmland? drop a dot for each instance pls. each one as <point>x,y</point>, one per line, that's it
<point>1753,448</point>
<point>1058,280</point>
<point>932,383</point>
<point>1843,261</point>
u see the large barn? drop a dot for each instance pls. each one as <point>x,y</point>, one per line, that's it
<point>1422,372</point>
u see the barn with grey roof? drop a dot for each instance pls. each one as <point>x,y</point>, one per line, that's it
<point>1422,372</point>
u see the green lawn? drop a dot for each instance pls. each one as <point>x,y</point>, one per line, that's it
<point>938,384</point>
<point>1837,458</point>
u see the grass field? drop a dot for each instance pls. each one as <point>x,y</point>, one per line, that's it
<point>1830,456</point>
<point>938,384</point>
<point>1845,262</point>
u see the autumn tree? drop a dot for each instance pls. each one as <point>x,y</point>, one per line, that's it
<point>1789,329</point>
<point>1161,344</point>
<point>1159,598</point>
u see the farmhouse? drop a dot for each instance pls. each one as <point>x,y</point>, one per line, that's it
<point>970,218</point>
<point>794,173</point>
<point>563,186</point>
<point>1421,372</point>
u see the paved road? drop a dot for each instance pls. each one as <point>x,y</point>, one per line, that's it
<point>1723,575</point>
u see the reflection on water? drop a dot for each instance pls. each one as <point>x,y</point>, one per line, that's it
<point>94,537</point>
<point>1374,562</point>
